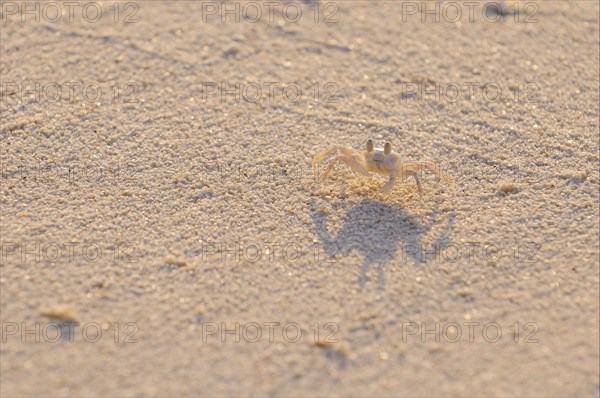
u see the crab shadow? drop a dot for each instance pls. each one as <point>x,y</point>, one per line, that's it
<point>380,233</point>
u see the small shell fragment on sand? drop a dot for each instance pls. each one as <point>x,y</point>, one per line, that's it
<point>178,263</point>
<point>508,187</point>
<point>575,175</point>
<point>60,313</point>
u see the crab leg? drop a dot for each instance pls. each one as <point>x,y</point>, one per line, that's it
<point>331,166</point>
<point>322,155</point>
<point>390,184</point>
<point>347,152</point>
<point>416,176</point>
<point>351,162</point>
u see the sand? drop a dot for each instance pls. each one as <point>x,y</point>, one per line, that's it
<point>150,218</point>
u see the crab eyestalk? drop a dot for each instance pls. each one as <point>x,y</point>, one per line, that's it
<point>387,148</point>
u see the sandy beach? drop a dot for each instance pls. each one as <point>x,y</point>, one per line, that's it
<point>164,233</point>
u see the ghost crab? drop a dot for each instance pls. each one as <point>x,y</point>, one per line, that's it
<point>381,161</point>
